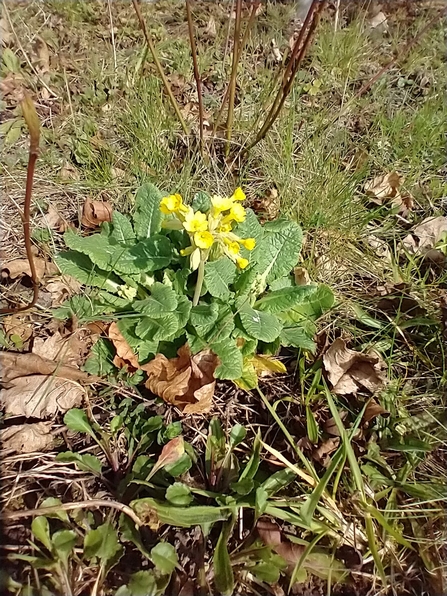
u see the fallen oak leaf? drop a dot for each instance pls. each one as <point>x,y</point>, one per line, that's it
<point>348,370</point>
<point>124,352</point>
<point>186,381</point>
<point>27,438</point>
<point>96,212</point>
<point>426,235</point>
<point>66,350</point>
<point>19,267</point>
<point>14,365</point>
<point>386,188</point>
<point>321,454</point>
<point>18,327</point>
<point>271,535</point>
<point>372,410</point>
<point>62,288</point>
<point>40,396</point>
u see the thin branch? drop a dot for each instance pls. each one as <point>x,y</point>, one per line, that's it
<point>159,67</point>
<point>232,93</point>
<point>93,504</point>
<point>251,19</point>
<point>192,42</point>
<point>296,61</point>
<point>33,124</point>
<point>112,33</point>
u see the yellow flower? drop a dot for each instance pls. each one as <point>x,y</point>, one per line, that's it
<point>237,213</point>
<point>194,260</point>
<point>232,247</point>
<point>221,204</point>
<point>171,204</point>
<point>238,195</point>
<point>224,228</point>
<point>248,243</point>
<point>186,251</point>
<point>203,239</point>
<point>241,262</point>
<point>195,221</point>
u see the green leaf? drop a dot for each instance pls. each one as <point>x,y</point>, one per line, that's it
<point>97,247</point>
<point>81,267</point>
<point>157,329</point>
<point>164,557</point>
<point>183,311</point>
<point>312,427</point>
<point>142,583</point>
<point>203,317</point>
<point>252,466</point>
<point>242,487</point>
<point>63,543</point>
<point>237,435</point>
<point>224,324</point>
<point>183,517</point>
<point>53,502</point>
<point>201,202</point>
<point>148,255</point>
<point>10,60</point>
<point>223,571</point>
<point>297,337</point>
<point>101,543</point>
<point>260,501</point>
<point>259,325</point>
<point>76,419</point>
<point>318,301</point>
<point>182,465</point>
<point>218,277</point>
<point>122,231</point>
<point>85,462</point>
<point>286,298</point>
<point>162,300</point>
<point>179,494</point>
<point>230,357</point>
<point>249,378</point>
<point>41,531</point>
<point>279,249</point>
<point>148,217</point>
<point>283,282</point>
<point>130,533</point>
<point>100,361</point>
<point>277,481</point>
<point>250,227</point>
<point>266,572</point>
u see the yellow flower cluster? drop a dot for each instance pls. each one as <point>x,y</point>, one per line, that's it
<point>207,229</point>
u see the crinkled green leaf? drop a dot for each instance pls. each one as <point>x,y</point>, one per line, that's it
<point>63,543</point>
<point>97,247</point>
<point>85,462</point>
<point>319,300</point>
<point>250,227</point>
<point>179,494</point>
<point>297,337</point>
<point>100,361</point>
<point>148,255</point>
<point>201,202</point>
<point>147,217</point>
<point>162,300</point>
<point>41,531</point>
<point>218,277</point>
<point>81,267</point>
<point>230,357</point>
<point>183,517</point>
<point>203,317</point>
<point>286,298</point>
<point>76,419</point>
<point>122,230</point>
<point>160,329</point>
<point>266,572</point>
<point>259,325</point>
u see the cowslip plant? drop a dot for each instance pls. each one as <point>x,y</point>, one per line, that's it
<point>208,274</point>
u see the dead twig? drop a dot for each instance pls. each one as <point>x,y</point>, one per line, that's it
<point>33,124</point>
<point>232,86</point>
<point>197,78</point>
<point>159,67</point>
<point>9,516</point>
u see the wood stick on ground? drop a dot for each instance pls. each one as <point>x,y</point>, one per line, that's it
<point>232,92</point>
<point>159,67</point>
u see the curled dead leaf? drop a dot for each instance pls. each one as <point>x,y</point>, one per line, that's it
<point>62,288</point>
<point>96,212</point>
<point>18,326</point>
<point>124,353</point>
<point>19,267</point>
<point>70,350</point>
<point>43,55</point>
<point>271,535</point>
<point>14,365</point>
<point>186,381</point>
<point>322,453</point>
<point>426,235</point>
<point>301,276</point>
<point>40,396</point>
<point>27,438</point>
<point>54,220</point>
<point>348,371</point>
<point>69,172</point>
<point>372,410</point>
<point>268,207</point>
<point>386,189</point>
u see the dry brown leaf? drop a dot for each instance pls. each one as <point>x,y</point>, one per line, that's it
<point>27,438</point>
<point>301,276</point>
<point>40,396</point>
<point>276,53</point>
<point>271,535</point>
<point>426,235</point>
<point>372,410</point>
<point>62,288</point>
<point>379,22</point>
<point>14,365</point>
<point>69,172</point>
<point>348,371</point>
<point>18,325</point>
<point>54,220</point>
<point>19,267</point>
<point>6,35</point>
<point>66,350</point>
<point>96,212</point>
<point>269,206</point>
<point>123,350</point>
<point>43,55</point>
<point>386,188</point>
<point>321,454</point>
<point>211,27</point>
<point>330,426</point>
<point>12,88</point>
<point>186,381</point>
